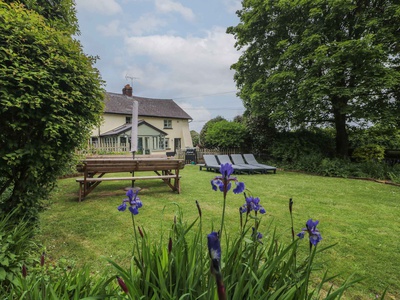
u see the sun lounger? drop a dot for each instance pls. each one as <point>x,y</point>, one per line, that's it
<point>210,163</point>
<point>251,160</point>
<point>238,160</point>
<point>223,159</point>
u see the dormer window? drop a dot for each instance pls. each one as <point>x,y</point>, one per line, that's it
<point>167,124</point>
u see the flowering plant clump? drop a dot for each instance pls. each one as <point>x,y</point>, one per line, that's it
<point>252,269</point>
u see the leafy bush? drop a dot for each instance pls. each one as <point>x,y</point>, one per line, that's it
<point>386,136</point>
<point>289,147</point>
<point>51,97</point>
<point>225,135</point>
<point>370,152</point>
<point>317,164</point>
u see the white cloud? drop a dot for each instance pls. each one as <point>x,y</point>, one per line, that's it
<point>111,29</point>
<point>199,114</point>
<point>105,7</point>
<point>187,65</point>
<point>167,6</point>
<point>146,24</point>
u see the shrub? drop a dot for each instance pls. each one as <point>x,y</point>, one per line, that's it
<point>289,147</point>
<point>370,152</point>
<point>51,97</point>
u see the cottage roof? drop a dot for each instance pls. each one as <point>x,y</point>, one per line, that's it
<point>149,107</point>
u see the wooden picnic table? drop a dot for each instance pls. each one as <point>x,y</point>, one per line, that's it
<point>94,169</point>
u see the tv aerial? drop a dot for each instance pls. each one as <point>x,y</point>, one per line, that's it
<point>131,78</point>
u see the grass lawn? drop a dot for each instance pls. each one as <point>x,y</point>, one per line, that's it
<point>361,217</point>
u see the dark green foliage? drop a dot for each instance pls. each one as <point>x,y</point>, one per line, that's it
<point>387,136</point>
<point>50,99</point>
<point>289,147</point>
<point>195,137</point>
<point>337,167</point>
<point>261,132</point>
<point>238,119</point>
<point>319,63</point>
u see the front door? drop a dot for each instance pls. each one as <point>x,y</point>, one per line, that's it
<point>177,144</point>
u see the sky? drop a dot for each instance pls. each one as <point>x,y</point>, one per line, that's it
<point>167,49</point>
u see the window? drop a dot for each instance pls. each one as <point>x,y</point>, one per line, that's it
<point>128,120</point>
<point>166,141</point>
<point>168,124</point>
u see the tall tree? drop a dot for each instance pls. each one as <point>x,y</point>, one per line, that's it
<point>50,99</point>
<point>319,62</point>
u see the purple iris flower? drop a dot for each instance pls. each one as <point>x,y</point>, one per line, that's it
<point>252,203</point>
<point>122,207</point>
<point>214,246</point>
<point>313,233</point>
<point>224,182</point>
<point>133,200</point>
<point>214,250</point>
<point>257,234</point>
<point>226,170</point>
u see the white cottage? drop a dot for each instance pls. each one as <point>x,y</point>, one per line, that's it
<point>163,126</point>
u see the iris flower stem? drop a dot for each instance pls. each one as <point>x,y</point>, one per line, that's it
<point>223,208</point>
<point>291,220</point>
<point>136,239</point>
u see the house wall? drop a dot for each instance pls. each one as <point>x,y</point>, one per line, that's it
<point>179,130</point>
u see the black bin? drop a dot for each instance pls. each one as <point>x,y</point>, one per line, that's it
<point>191,156</point>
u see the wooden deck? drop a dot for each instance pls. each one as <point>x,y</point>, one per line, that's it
<point>95,168</point>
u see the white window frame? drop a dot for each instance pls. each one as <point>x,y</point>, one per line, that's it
<point>167,124</point>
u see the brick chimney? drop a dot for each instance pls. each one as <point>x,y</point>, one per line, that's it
<point>127,90</point>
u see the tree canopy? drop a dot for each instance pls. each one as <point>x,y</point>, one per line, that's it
<point>319,63</point>
<point>50,99</point>
<point>60,14</point>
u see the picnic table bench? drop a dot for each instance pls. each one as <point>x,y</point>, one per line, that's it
<point>94,169</point>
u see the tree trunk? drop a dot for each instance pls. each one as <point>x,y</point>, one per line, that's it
<point>342,138</point>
